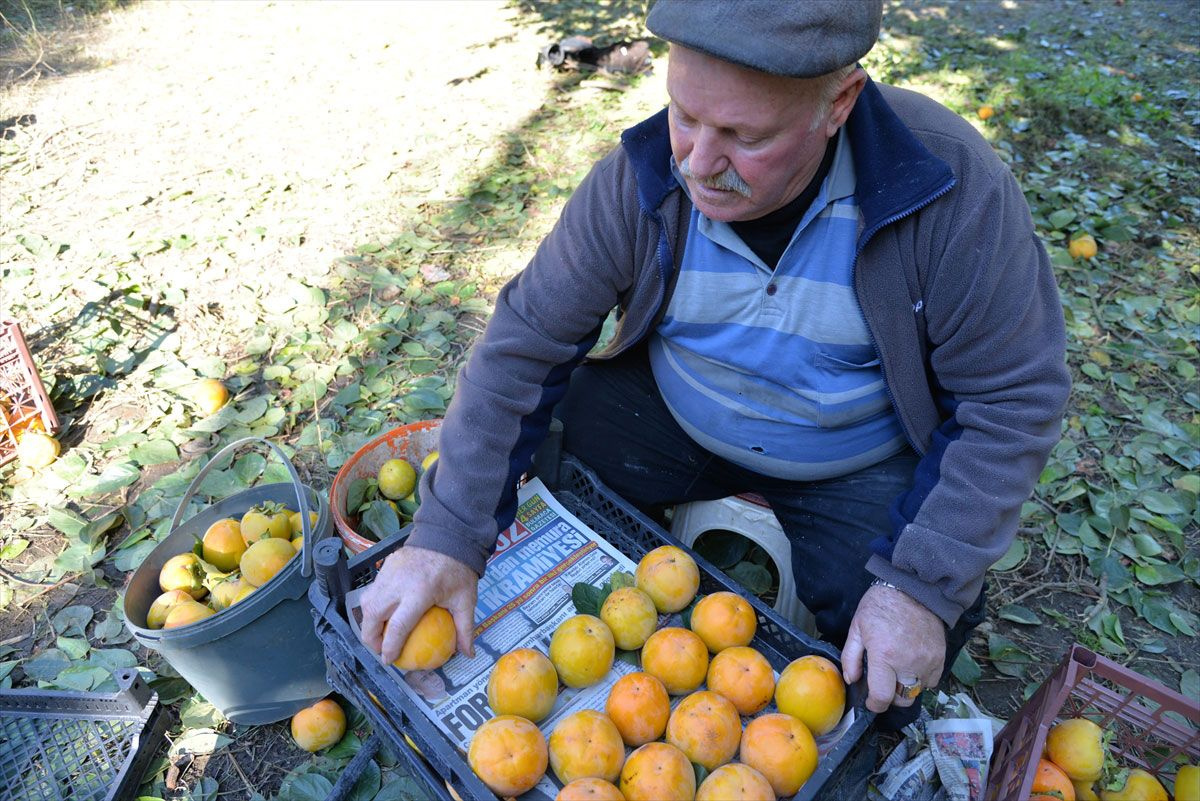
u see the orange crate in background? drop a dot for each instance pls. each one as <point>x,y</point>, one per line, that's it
<point>1132,707</point>
<point>24,404</point>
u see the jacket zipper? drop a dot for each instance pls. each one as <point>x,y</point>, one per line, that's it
<point>870,334</point>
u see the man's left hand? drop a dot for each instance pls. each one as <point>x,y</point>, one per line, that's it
<point>904,642</point>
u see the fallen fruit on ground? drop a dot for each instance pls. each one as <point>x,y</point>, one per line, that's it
<point>639,706</point>
<point>156,616</point>
<point>676,657</point>
<point>811,689</point>
<point>986,112</point>
<point>1077,746</point>
<point>264,559</point>
<point>669,576</point>
<point>1083,247</point>
<point>735,782</point>
<point>1139,785</point>
<point>183,572</point>
<point>223,545</point>
<point>584,745</point>
<point>209,395</point>
<point>396,479</point>
<point>744,676</point>
<point>185,613</point>
<point>631,616</point>
<point>508,754</point>
<point>781,748</point>
<point>705,726</point>
<point>658,772</point>
<point>431,642</point>
<point>1049,778</point>
<point>582,650</point>
<point>37,450</point>
<point>523,682</point>
<point>589,790</point>
<point>319,726</point>
<point>723,620</point>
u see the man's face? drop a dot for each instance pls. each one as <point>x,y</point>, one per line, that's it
<point>728,122</point>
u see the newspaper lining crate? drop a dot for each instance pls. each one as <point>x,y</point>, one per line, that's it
<point>1119,700</point>
<point>24,404</point>
<point>358,674</point>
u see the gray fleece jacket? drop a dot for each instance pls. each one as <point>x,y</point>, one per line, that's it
<point>957,292</point>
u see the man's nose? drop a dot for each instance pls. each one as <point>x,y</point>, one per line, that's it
<point>707,159</point>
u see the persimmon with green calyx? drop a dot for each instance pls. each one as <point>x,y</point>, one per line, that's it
<point>266,520</point>
<point>1139,786</point>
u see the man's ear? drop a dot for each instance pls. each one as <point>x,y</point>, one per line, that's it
<point>843,102</point>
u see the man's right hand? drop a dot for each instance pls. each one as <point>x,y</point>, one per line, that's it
<point>411,581</point>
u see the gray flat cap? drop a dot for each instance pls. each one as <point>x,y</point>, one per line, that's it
<point>796,38</point>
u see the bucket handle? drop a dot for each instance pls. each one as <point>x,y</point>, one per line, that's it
<point>306,567</point>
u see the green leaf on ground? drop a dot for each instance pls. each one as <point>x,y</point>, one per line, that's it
<point>305,787</point>
<point>404,788</point>
<point>368,783</point>
<point>1014,556</point>
<point>1019,614</point>
<point>1007,657</point>
<point>111,478</point>
<point>156,451</point>
<point>200,741</point>
<point>1189,684</point>
<point>966,669</point>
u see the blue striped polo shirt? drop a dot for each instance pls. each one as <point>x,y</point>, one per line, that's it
<point>775,370</point>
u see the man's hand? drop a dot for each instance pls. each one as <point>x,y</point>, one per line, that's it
<point>903,641</point>
<point>412,580</point>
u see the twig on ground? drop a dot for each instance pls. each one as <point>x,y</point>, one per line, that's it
<point>253,790</point>
<point>1101,601</point>
<point>1055,585</point>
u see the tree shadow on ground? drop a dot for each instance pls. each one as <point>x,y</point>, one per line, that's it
<point>603,22</point>
<point>40,39</point>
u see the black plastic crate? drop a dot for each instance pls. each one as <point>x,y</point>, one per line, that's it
<point>68,746</point>
<point>357,673</point>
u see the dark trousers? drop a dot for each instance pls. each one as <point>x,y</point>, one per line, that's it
<point>614,419</point>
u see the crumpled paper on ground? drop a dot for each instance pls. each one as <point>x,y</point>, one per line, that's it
<point>943,756</point>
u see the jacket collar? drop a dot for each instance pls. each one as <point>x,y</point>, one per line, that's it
<point>896,172</point>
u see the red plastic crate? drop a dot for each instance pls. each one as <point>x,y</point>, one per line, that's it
<point>1131,706</point>
<point>24,404</point>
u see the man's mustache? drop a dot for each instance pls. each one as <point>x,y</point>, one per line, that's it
<point>727,180</point>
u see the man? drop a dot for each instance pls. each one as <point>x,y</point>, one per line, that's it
<point>830,293</point>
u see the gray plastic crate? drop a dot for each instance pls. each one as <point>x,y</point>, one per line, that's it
<point>357,673</point>
<point>69,746</point>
